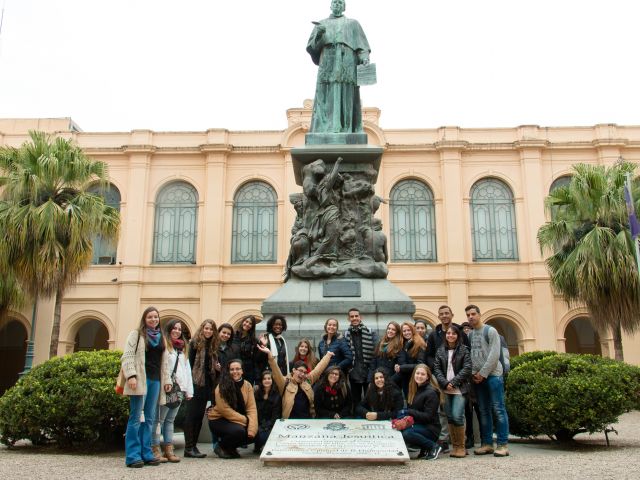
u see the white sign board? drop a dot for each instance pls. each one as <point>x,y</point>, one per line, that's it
<point>337,440</point>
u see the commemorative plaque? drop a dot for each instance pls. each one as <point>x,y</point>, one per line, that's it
<point>336,440</point>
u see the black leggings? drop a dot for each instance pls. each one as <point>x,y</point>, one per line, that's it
<point>231,435</point>
<point>194,415</point>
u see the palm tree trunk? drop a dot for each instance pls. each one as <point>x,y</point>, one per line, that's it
<point>617,342</point>
<point>55,328</point>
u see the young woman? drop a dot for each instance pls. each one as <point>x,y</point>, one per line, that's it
<point>332,397</point>
<point>383,400</point>
<point>142,365</point>
<point>296,388</point>
<point>414,350</point>
<point>388,352</point>
<point>333,341</point>
<point>269,405</point>
<point>225,346</point>
<point>173,360</point>
<point>234,418</point>
<point>304,353</point>
<point>203,358</point>
<point>273,340</point>
<point>421,329</point>
<point>244,343</point>
<point>452,369</point>
<point>422,404</point>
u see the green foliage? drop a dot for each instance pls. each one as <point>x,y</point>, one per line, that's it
<point>565,394</point>
<point>70,400</point>
<point>530,357</point>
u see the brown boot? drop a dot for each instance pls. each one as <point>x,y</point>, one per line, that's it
<point>483,450</point>
<point>168,452</point>
<point>157,454</point>
<point>457,441</point>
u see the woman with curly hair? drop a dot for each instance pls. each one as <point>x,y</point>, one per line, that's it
<point>383,400</point>
<point>388,352</point>
<point>203,358</point>
<point>174,366</point>
<point>274,341</point>
<point>244,344</point>
<point>304,353</point>
<point>234,418</point>
<point>332,396</point>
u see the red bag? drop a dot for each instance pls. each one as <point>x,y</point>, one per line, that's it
<point>402,423</point>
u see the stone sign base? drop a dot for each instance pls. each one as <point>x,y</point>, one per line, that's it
<point>334,440</point>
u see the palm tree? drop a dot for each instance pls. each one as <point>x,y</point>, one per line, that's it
<point>49,216</point>
<point>11,294</point>
<point>592,253</point>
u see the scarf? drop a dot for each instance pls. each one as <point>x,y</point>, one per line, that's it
<point>331,391</point>
<point>367,342</point>
<point>198,365</point>
<point>177,344</point>
<point>153,337</point>
<point>274,350</point>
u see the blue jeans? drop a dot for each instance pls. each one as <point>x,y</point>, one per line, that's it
<point>137,442</point>
<point>419,436</point>
<point>164,425</point>
<point>454,407</point>
<point>490,397</point>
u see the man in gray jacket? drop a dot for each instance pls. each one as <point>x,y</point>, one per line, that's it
<point>488,384</point>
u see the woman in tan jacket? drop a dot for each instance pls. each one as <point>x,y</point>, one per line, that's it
<point>296,388</point>
<point>234,418</point>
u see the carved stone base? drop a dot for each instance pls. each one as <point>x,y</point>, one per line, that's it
<point>307,304</point>
<point>355,158</point>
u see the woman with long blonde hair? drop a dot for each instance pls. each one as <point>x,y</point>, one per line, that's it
<point>304,353</point>
<point>414,350</point>
<point>423,402</point>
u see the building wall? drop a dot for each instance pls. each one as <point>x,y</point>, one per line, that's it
<point>218,162</point>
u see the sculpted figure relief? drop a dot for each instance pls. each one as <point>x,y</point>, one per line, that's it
<point>335,233</point>
<point>337,45</point>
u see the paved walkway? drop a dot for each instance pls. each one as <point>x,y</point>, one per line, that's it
<point>589,458</point>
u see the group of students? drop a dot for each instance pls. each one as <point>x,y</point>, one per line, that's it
<point>245,381</point>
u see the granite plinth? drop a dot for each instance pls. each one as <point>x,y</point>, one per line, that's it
<point>307,304</point>
<point>336,440</point>
<point>355,158</point>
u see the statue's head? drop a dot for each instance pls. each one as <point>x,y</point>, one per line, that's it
<point>376,224</point>
<point>337,7</point>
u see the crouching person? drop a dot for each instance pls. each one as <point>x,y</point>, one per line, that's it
<point>234,418</point>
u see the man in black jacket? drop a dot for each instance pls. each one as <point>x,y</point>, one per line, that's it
<point>362,341</point>
<point>434,341</point>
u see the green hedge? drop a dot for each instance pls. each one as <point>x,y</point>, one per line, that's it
<point>69,400</point>
<point>531,357</point>
<point>561,395</point>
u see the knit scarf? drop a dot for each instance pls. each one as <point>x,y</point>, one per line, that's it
<point>153,337</point>
<point>367,342</point>
<point>178,344</point>
<point>274,349</point>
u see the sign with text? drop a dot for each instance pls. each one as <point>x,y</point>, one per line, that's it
<point>337,440</point>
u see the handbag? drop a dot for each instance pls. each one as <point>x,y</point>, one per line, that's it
<point>121,381</point>
<point>402,423</point>
<point>175,396</point>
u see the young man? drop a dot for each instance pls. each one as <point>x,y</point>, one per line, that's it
<point>362,342</point>
<point>488,384</point>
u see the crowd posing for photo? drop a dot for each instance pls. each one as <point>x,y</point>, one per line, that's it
<point>427,384</point>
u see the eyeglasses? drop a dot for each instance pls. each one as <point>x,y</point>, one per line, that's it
<point>334,374</point>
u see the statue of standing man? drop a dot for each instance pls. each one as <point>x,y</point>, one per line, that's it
<point>337,45</point>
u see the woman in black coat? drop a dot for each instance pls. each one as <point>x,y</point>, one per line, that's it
<point>388,353</point>
<point>334,341</point>
<point>244,344</point>
<point>269,405</point>
<point>452,369</point>
<point>422,404</point>
<point>383,400</point>
<point>331,396</point>
<point>414,352</point>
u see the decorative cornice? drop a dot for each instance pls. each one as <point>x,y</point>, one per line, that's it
<point>129,149</point>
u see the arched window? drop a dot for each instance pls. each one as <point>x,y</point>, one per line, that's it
<point>493,222</point>
<point>254,224</point>
<point>91,336</point>
<point>581,337</point>
<point>413,223</point>
<point>104,251</point>
<point>506,328</point>
<point>176,219</point>
<point>13,347</point>
<point>560,182</point>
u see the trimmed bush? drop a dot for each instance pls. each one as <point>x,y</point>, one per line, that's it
<point>531,357</point>
<point>565,394</point>
<point>69,400</point>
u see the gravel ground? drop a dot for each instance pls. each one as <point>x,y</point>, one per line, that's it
<point>587,458</point>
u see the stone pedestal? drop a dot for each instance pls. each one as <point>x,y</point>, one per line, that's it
<point>307,304</point>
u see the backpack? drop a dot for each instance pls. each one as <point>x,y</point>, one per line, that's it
<point>505,357</point>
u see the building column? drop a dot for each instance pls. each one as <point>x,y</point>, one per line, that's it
<point>456,238</point>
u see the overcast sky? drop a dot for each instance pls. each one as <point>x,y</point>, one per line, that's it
<point>119,65</point>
